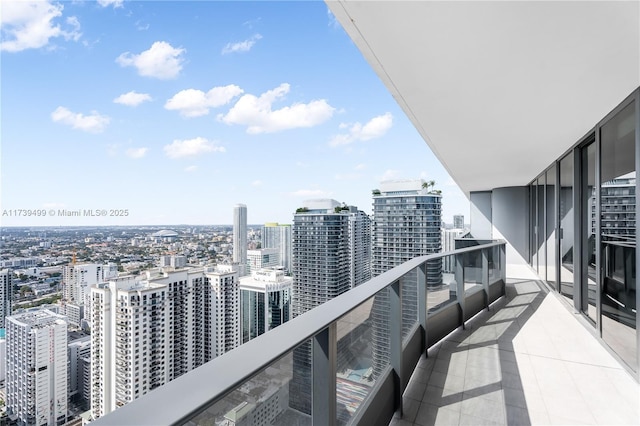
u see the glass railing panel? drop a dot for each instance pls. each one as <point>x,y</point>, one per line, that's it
<point>493,257</point>
<point>354,364</point>
<point>380,337</point>
<point>278,395</point>
<point>409,302</point>
<point>472,263</point>
<point>441,289</point>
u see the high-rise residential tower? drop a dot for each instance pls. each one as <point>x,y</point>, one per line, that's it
<point>240,234</point>
<point>406,224</point>
<point>6,295</point>
<point>275,235</point>
<point>458,221</point>
<point>150,330</point>
<point>329,239</point>
<point>36,385</point>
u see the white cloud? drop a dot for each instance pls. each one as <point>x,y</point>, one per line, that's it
<point>241,46</point>
<point>317,193</point>
<point>256,113</point>
<point>250,23</point>
<point>141,27</point>
<point>94,122</point>
<point>256,183</point>
<point>390,174</point>
<point>161,61</point>
<point>360,166</point>
<point>30,25</point>
<point>191,169</point>
<point>191,147</point>
<point>196,103</point>
<point>132,98</point>
<point>136,152</point>
<point>114,3</point>
<point>374,128</point>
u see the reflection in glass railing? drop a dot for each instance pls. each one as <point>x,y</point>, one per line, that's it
<point>263,399</point>
<point>354,377</point>
<point>445,293</point>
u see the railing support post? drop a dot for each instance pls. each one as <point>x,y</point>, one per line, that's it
<point>422,303</point>
<point>485,276</point>
<point>503,263</point>
<point>460,285</point>
<point>324,353</point>
<point>395,341</point>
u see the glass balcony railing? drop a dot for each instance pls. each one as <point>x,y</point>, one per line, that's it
<point>347,361</point>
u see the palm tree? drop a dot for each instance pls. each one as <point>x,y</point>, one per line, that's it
<point>429,184</point>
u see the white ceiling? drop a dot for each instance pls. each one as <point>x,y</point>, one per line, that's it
<point>499,89</point>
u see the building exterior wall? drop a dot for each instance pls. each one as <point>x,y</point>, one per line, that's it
<point>240,234</point>
<point>265,299</point>
<point>147,332</point>
<point>6,295</point>
<point>36,385</point>
<point>406,224</point>
<point>278,236</point>
<point>326,237</point>
<point>481,215</point>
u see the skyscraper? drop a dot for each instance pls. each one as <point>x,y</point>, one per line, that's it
<point>406,224</point>
<point>240,235</point>
<point>36,384</point>
<point>265,299</point>
<point>148,331</point>
<point>328,238</point>
<point>278,236</point>
<point>6,295</point>
<point>458,221</point>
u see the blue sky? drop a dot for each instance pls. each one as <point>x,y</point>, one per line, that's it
<point>176,111</point>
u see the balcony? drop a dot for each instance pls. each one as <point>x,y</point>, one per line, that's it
<point>498,351</point>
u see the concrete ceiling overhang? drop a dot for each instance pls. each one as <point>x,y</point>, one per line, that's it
<point>500,89</point>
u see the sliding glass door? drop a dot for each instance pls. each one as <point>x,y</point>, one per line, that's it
<point>618,233</point>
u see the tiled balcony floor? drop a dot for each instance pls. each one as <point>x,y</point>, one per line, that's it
<point>527,361</point>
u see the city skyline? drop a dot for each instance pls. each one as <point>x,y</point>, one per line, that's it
<point>175,113</point>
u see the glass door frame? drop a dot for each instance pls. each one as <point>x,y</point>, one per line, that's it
<point>582,225</point>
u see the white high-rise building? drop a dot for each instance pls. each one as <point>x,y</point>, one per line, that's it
<point>449,244</point>
<point>265,299</point>
<point>458,221</point>
<point>225,311</point>
<point>36,385</point>
<point>240,234</point>
<point>128,342</point>
<point>275,235</point>
<point>6,295</point>
<point>262,258</point>
<point>149,330</point>
<point>78,278</point>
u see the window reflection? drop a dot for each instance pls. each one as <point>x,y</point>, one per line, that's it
<point>566,226</point>
<point>618,234</point>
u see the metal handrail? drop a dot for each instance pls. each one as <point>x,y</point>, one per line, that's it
<point>176,402</point>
